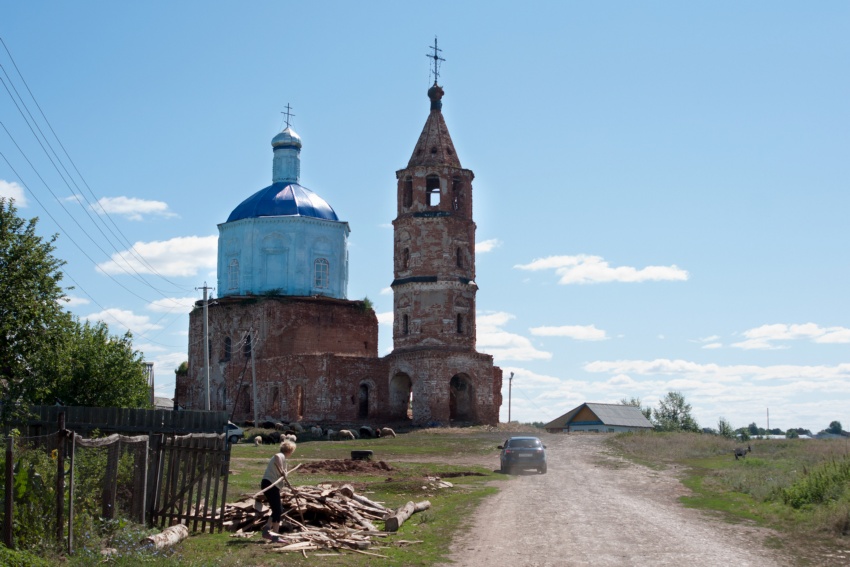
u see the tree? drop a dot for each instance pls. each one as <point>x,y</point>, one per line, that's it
<point>792,434</point>
<point>724,428</point>
<point>674,414</point>
<point>635,402</point>
<point>47,356</point>
<point>32,320</point>
<point>753,429</point>
<point>835,427</point>
<point>99,370</point>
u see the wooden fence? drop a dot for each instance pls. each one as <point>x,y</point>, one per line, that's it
<point>84,420</point>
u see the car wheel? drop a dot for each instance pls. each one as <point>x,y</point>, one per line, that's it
<point>233,439</point>
<point>542,470</point>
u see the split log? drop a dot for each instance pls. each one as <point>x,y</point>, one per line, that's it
<point>167,537</point>
<point>394,522</point>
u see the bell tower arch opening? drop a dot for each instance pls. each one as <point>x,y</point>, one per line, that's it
<point>401,397</point>
<point>461,407</point>
<point>363,402</point>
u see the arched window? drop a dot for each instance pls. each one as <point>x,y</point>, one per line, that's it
<point>432,187</point>
<point>246,348</point>
<point>459,258</point>
<point>456,187</point>
<point>407,198</point>
<point>321,273</point>
<point>459,324</point>
<point>405,325</point>
<point>405,259</point>
<point>228,346</point>
<point>233,274</point>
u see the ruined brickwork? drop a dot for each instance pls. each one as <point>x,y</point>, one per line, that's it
<point>315,358</point>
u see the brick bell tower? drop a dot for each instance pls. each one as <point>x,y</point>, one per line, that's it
<point>436,373</point>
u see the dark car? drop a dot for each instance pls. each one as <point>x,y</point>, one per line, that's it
<point>519,453</point>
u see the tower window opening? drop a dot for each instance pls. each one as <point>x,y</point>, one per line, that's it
<point>432,187</point>
<point>233,274</point>
<point>321,273</point>
<point>228,347</point>
<point>456,189</point>
<point>459,324</point>
<point>407,198</point>
<point>459,258</point>
<point>405,324</point>
<point>405,259</point>
<point>246,348</point>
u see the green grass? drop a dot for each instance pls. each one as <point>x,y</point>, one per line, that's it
<point>761,488</point>
<point>412,456</point>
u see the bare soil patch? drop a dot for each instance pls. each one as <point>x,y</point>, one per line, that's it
<point>345,466</point>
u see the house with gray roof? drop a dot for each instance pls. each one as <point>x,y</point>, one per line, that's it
<point>600,418</point>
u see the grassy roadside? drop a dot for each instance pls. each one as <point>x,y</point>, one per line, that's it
<point>422,541</point>
<point>800,488</point>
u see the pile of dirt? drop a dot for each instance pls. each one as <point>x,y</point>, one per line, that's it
<point>346,466</point>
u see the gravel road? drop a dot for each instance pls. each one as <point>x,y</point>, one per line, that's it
<point>595,509</point>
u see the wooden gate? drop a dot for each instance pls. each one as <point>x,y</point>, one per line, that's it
<point>191,481</point>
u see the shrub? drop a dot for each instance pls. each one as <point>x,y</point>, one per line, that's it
<point>825,482</point>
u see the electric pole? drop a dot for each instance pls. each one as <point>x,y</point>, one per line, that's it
<point>510,380</point>
<point>206,347</point>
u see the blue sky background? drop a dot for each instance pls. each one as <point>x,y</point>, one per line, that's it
<point>661,188</point>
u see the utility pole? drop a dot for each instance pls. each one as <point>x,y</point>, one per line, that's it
<point>510,380</point>
<point>253,377</point>
<point>206,347</point>
<point>768,421</point>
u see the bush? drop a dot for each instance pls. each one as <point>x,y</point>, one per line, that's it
<point>826,482</point>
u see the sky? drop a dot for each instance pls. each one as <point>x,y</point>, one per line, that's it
<point>661,188</point>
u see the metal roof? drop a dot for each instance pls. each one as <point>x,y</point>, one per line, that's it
<point>283,199</point>
<point>608,414</point>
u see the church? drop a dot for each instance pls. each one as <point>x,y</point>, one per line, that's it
<point>287,345</point>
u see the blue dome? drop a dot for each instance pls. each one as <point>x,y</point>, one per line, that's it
<point>281,200</point>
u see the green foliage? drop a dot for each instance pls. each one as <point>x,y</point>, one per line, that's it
<point>744,434</point>
<point>674,414</point>
<point>835,427</point>
<point>18,558</point>
<point>183,369</point>
<point>828,481</point>
<point>367,304</point>
<point>792,434</point>
<point>724,428</point>
<point>32,320</point>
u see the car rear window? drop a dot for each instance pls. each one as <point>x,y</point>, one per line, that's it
<point>523,443</point>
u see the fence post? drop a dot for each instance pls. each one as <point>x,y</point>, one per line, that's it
<point>60,478</point>
<point>9,504</point>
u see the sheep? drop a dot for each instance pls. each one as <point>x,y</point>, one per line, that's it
<point>290,437</point>
<point>316,431</point>
<point>296,427</point>
<point>331,434</point>
<point>366,432</point>
<point>345,434</point>
<point>258,440</point>
<point>741,452</point>
<point>279,426</point>
<point>385,432</point>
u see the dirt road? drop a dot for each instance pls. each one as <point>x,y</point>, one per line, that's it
<point>595,509</point>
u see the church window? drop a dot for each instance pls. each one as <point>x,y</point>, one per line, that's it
<point>456,188</point>
<point>459,324</point>
<point>459,258</point>
<point>233,274</point>
<point>246,348</point>
<point>321,273</point>
<point>405,325</point>
<point>407,198</point>
<point>228,347</point>
<point>405,259</point>
<point>432,187</point>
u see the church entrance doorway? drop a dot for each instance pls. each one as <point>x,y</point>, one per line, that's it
<point>460,398</point>
<point>401,397</point>
<point>363,407</point>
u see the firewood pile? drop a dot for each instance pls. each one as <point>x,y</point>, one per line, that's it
<point>319,517</point>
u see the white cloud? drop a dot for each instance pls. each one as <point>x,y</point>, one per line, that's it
<point>503,345</point>
<point>716,372</point>
<point>585,269</point>
<point>120,320</point>
<point>487,245</point>
<point>766,336</point>
<point>11,190</point>
<point>181,256</point>
<point>712,345</point>
<point>74,301</point>
<point>131,207</point>
<point>169,304</point>
<point>385,318</point>
<point>387,291</point>
<point>577,332</point>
